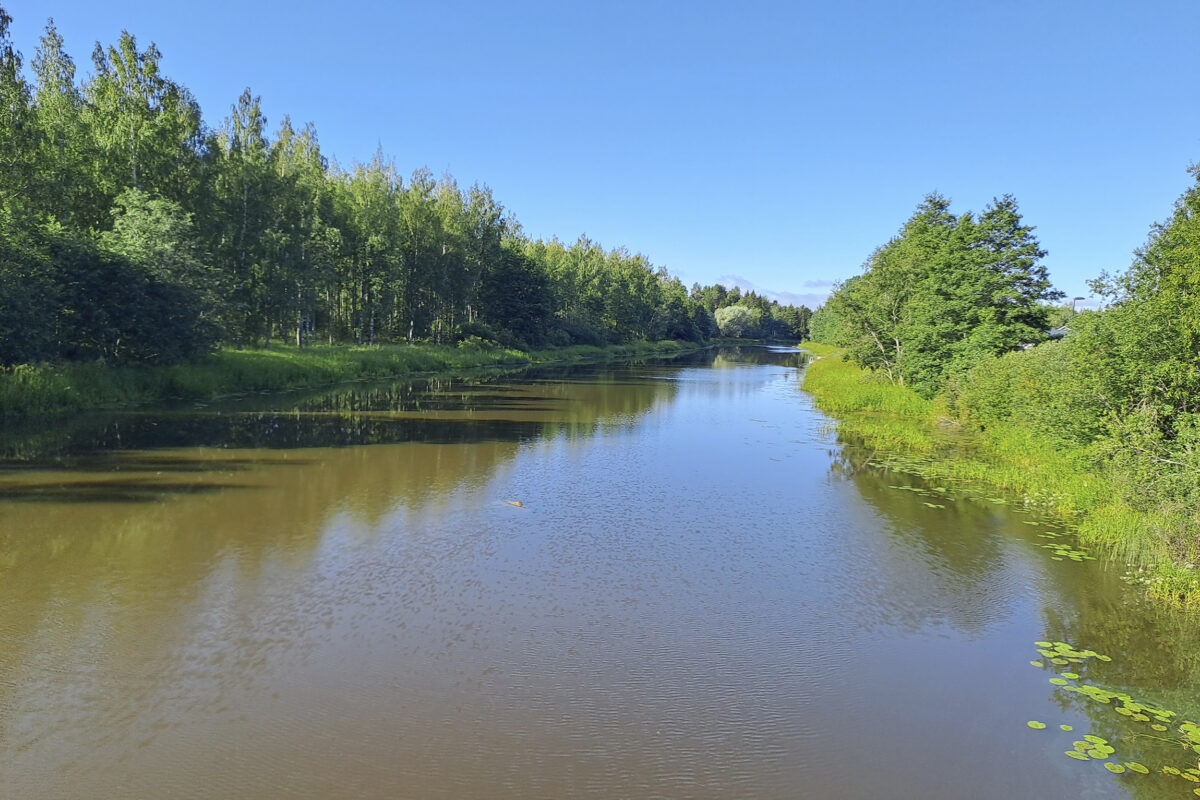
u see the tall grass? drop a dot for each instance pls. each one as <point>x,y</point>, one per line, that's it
<point>49,389</point>
<point>1063,479</point>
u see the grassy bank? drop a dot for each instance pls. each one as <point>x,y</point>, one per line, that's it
<point>920,435</point>
<point>55,389</point>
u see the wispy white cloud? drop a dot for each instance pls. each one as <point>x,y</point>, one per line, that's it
<point>810,299</point>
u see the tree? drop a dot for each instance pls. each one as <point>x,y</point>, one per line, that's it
<point>515,296</point>
<point>18,135</point>
<point>158,236</point>
<point>944,293</point>
<point>735,321</point>
<point>146,126</point>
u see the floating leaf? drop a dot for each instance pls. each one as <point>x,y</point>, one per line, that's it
<point>1070,675</point>
<point>1125,712</point>
<point>1134,766</point>
<point>1062,662</point>
<point>1095,739</point>
<point>1037,664</point>
<point>1158,727</point>
<point>1077,755</point>
<point>1042,644</point>
<point>1037,726</point>
<point>1065,728</point>
<point>1115,769</point>
<point>1171,770</point>
<point>1141,717</point>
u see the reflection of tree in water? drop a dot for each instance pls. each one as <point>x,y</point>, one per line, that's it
<point>945,557</point>
<point>127,539</point>
<point>115,507</point>
<point>481,408</point>
<point>1155,651</point>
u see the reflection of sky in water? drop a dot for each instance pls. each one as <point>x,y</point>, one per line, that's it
<point>689,603</point>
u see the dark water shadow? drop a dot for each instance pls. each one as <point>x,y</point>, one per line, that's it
<point>112,491</point>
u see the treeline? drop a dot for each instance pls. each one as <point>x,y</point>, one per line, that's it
<point>131,231</point>
<point>944,293</point>
<point>945,306</point>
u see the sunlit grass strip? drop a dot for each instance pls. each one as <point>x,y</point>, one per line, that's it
<point>48,389</point>
<point>1063,480</point>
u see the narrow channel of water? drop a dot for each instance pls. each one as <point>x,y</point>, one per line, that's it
<point>666,579</point>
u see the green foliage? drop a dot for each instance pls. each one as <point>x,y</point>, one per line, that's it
<point>133,232</point>
<point>1030,427</point>
<point>55,388</point>
<point>737,321</point>
<point>945,293</point>
<point>515,295</point>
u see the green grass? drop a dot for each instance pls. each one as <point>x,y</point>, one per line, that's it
<point>54,389</point>
<point>919,435</point>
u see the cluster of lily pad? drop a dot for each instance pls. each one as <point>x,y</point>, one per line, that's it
<point>1091,747</point>
<point>1063,551</point>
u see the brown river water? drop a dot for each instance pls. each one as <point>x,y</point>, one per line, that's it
<point>704,593</point>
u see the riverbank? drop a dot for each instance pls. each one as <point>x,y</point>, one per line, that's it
<point>918,435</point>
<point>64,388</point>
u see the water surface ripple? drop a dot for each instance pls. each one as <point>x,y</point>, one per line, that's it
<point>702,594</point>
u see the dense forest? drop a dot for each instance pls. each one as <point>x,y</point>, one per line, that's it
<point>955,308</point>
<point>130,231</point>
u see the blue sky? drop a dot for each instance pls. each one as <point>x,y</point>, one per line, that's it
<point>774,144</point>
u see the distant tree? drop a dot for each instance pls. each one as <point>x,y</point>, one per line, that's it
<point>735,321</point>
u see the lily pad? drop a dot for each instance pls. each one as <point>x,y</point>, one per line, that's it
<point>1036,664</point>
<point>1037,726</point>
<point>1078,756</point>
<point>1134,766</point>
<point>1062,682</point>
<point>1065,728</point>
<point>1095,739</point>
<point>1115,769</point>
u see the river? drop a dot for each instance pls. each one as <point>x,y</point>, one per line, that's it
<point>661,579</point>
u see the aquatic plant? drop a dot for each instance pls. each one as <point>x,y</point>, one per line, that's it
<point>1092,747</point>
